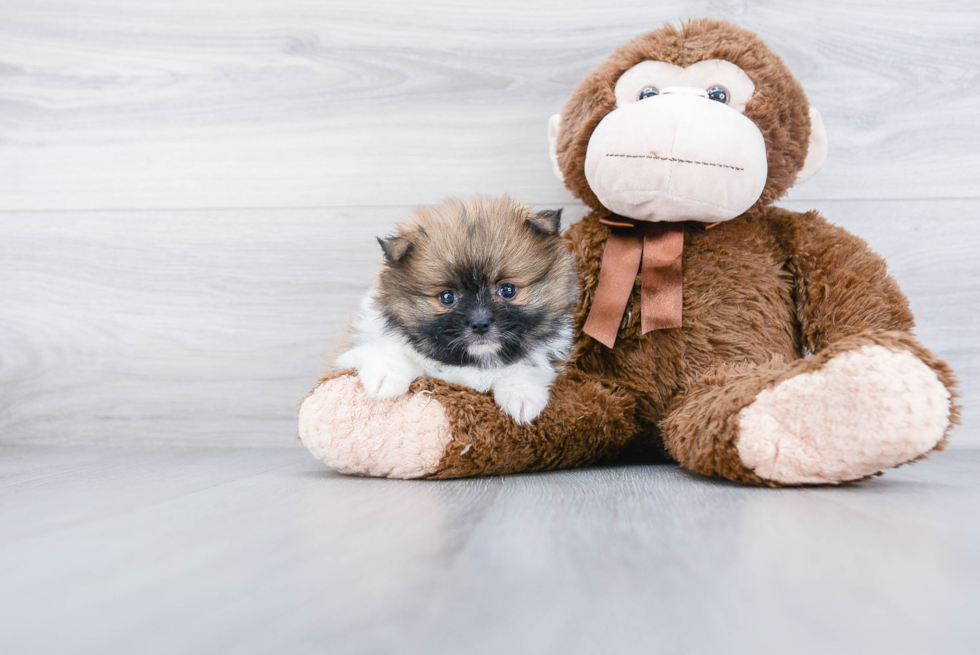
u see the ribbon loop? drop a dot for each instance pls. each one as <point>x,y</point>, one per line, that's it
<point>655,251</point>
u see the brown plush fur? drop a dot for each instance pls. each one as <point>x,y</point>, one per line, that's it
<point>762,292</point>
<point>587,420</point>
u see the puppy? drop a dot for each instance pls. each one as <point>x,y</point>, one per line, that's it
<point>477,292</point>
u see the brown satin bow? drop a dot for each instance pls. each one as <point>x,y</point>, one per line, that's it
<point>653,249</point>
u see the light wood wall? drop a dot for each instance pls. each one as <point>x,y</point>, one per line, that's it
<point>189,189</point>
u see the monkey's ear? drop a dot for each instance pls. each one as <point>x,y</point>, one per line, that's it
<point>395,248</point>
<point>816,151</point>
<point>547,221</point>
<point>554,124</point>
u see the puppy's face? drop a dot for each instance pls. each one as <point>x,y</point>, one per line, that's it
<point>477,282</point>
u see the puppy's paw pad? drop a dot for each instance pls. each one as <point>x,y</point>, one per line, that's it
<point>522,402</point>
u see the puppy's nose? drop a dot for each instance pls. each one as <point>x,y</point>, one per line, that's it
<point>480,324</point>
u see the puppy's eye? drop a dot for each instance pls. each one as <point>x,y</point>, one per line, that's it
<point>648,92</point>
<point>507,291</point>
<point>719,94</point>
<point>448,297</point>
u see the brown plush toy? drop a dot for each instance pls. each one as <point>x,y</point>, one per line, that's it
<point>740,339</point>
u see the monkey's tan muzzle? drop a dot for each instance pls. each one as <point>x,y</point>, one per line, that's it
<point>676,157</point>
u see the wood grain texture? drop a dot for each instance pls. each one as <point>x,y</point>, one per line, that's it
<point>170,550</point>
<point>187,104</point>
<point>208,326</point>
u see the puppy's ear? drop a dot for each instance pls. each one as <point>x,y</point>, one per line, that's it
<point>546,222</point>
<point>395,248</point>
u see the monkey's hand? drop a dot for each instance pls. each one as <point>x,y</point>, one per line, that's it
<point>444,430</point>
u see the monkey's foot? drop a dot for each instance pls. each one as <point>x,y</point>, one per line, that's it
<point>403,437</point>
<point>863,411</point>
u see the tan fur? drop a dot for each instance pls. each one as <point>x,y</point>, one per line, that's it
<point>488,233</point>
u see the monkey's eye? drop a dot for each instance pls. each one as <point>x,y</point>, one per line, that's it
<point>448,297</point>
<point>648,92</point>
<point>718,94</point>
<point>507,291</point>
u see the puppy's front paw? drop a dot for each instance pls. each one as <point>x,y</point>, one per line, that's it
<point>520,400</point>
<point>383,380</point>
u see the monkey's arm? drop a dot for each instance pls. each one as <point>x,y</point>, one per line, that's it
<point>440,430</point>
<point>845,294</point>
<point>870,396</point>
<point>842,287</point>
<point>843,291</point>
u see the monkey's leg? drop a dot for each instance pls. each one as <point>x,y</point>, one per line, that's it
<point>871,401</point>
<point>441,430</point>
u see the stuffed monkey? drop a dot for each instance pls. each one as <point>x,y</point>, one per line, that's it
<point>717,330</point>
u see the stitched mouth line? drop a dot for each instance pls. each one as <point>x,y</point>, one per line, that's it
<point>682,161</point>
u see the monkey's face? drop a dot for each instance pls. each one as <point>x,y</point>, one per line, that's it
<point>692,123</point>
<point>677,147</point>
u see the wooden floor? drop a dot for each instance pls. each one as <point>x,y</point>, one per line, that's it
<point>226,550</point>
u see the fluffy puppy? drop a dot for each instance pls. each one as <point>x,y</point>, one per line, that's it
<point>476,291</point>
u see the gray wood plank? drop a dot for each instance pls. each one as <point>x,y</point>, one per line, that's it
<point>179,104</point>
<point>265,550</point>
<point>207,327</point>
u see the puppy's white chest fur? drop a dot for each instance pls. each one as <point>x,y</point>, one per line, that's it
<point>387,363</point>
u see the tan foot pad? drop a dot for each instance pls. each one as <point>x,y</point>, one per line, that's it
<point>404,437</point>
<point>864,411</point>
